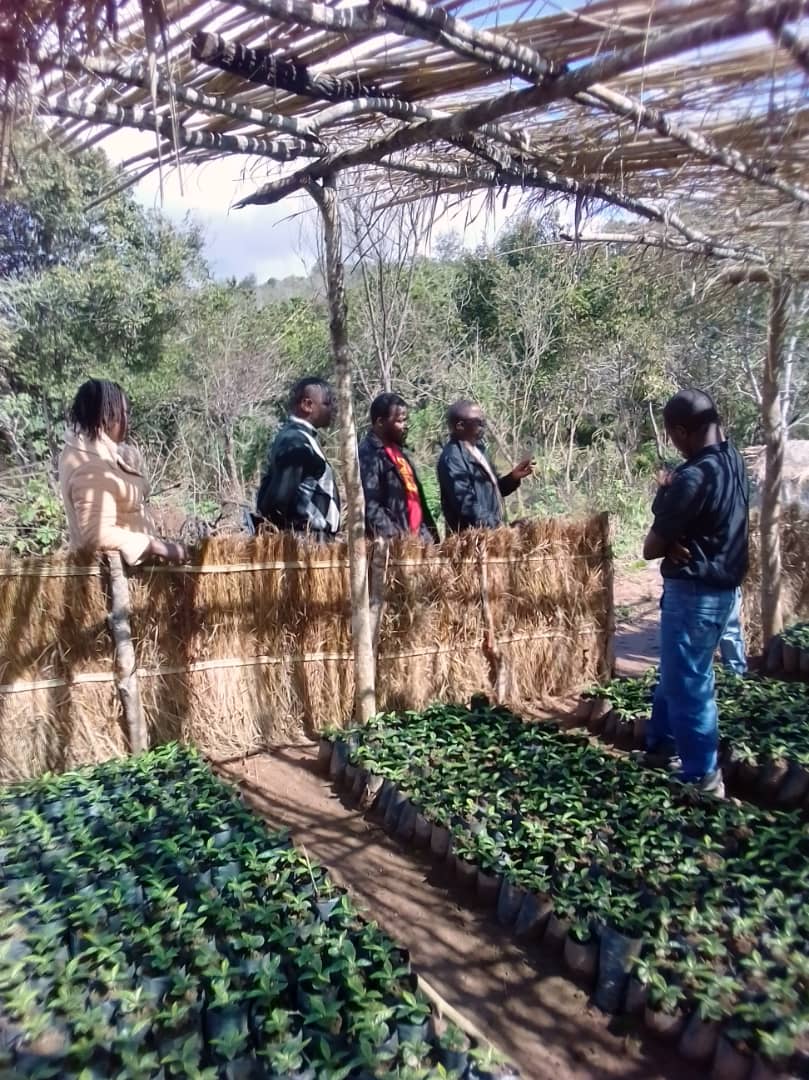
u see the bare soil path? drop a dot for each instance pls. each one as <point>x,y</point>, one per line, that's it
<point>637,617</point>
<point>522,999</point>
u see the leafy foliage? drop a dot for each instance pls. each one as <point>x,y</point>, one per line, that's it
<point>716,891</point>
<point>761,719</point>
<point>797,635</point>
<point>151,925</point>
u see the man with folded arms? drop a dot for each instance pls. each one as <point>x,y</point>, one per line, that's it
<point>700,531</point>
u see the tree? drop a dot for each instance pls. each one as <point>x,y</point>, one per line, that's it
<point>236,373</point>
<point>387,244</point>
<point>88,285</point>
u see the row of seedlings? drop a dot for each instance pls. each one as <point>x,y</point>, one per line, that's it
<point>763,728</point>
<point>687,910</point>
<point>151,926</point>
<point>788,652</point>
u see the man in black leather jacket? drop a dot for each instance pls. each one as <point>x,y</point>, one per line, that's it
<point>298,491</point>
<point>394,498</point>
<point>471,491</point>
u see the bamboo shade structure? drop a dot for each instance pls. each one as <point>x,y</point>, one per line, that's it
<point>689,121</point>
<point>692,117</point>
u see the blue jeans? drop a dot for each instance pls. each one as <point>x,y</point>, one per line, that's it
<point>731,644</point>
<point>693,617</point>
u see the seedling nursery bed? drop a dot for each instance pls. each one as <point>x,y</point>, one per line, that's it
<point>151,926</point>
<point>688,911</point>
<point>788,652</point>
<point>763,728</point>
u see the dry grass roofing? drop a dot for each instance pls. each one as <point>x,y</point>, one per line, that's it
<point>690,118</point>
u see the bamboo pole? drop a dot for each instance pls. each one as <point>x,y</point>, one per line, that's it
<point>265,67</point>
<point>774,439</point>
<point>197,139</point>
<point>450,1013</point>
<point>137,74</point>
<point>126,678</point>
<point>325,195</point>
<point>607,665</point>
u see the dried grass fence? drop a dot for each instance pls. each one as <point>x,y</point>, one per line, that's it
<point>794,575</point>
<point>251,643</point>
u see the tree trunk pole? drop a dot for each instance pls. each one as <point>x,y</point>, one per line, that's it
<point>126,678</point>
<point>379,562</point>
<point>361,631</point>
<point>606,666</point>
<point>772,421</point>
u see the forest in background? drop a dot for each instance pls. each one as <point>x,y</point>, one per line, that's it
<point>571,349</point>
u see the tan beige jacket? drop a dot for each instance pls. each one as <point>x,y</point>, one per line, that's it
<point>104,492</point>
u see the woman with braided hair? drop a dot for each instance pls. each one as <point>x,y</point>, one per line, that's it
<point>102,481</point>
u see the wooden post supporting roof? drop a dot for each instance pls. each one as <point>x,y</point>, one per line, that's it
<point>325,195</point>
<point>126,678</point>
<point>774,441</point>
<point>774,428</point>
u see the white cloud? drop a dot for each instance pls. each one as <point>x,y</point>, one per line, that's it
<point>268,241</point>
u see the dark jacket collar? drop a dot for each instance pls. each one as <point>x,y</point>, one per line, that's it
<point>464,447</point>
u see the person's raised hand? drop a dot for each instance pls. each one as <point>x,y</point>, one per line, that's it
<point>664,477</point>
<point>523,468</point>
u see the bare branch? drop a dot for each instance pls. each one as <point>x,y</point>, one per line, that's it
<point>655,240</point>
<point>474,175</point>
<point>739,275</point>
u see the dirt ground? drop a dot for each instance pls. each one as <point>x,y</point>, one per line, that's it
<point>637,618</point>
<point>521,998</point>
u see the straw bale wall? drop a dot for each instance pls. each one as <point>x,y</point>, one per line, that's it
<point>251,643</point>
<point>795,575</point>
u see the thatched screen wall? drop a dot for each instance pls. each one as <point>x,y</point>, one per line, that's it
<point>794,577</point>
<point>251,644</point>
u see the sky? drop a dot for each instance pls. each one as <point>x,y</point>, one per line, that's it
<point>265,241</point>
